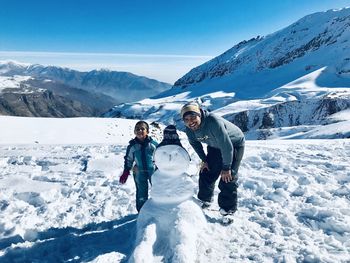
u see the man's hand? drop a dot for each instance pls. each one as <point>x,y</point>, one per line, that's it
<point>204,166</point>
<point>226,176</point>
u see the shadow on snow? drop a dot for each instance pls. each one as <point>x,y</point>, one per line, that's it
<point>73,244</point>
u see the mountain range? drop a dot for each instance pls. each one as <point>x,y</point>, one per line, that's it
<point>295,79</point>
<point>49,91</point>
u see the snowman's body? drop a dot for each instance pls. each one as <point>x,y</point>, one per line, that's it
<point>165,219</point>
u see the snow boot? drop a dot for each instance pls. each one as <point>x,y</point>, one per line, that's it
<point>223,212</point>
<point>205,204</point>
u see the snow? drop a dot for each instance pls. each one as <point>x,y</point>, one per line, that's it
<point>307,87</point>
<point>305,90</point>
<point>60,199</point>
<point>334,130</point>
<point>22,130</point>
<point>12,82</point>
<point>171,204</point>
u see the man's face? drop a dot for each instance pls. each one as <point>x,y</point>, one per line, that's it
<point>141,132</point>
<point>192,121</point>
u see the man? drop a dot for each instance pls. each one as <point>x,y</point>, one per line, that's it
<point>224,154</point>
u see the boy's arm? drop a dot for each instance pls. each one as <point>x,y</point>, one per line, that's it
<point>128,158</point>
<point>155,143</point>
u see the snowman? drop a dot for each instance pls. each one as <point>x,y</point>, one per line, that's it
<point>169,224</point>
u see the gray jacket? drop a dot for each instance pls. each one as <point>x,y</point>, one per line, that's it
<point>218,133</point>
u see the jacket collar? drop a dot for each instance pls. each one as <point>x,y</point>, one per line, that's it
<point>204,115</point>
<point>147,140</point>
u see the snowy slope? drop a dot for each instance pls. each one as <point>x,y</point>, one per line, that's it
<point>252,68</point>
<point>60,200</point>
<point>13,83</point>
<point>300,69</point>
<point>298,106</point>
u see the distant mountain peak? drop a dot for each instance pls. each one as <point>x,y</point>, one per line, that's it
<point>320,39</point>
<point>98,89</point>
<point>108,82</point>
<point>299,75</point>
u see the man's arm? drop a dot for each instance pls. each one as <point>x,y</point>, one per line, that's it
<point>197,146</point>
<point>224,142</point>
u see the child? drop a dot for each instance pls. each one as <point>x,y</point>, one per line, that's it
<point>140,150</point>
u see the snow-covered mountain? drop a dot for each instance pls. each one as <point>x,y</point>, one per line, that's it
<point>97,90</point>
<point>253,68</point>
<point>299,75</point>
<point>111,83</point>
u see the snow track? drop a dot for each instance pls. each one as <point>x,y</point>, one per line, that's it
<point>63,202</point>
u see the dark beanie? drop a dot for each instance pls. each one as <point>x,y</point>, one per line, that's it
<point>170,136</point>
<point>170,133</point>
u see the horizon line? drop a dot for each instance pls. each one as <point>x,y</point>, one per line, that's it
<point>47,53</point>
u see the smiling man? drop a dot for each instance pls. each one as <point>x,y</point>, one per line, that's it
<point>224,154</point>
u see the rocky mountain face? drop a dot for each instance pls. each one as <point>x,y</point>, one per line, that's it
<point>42,104</point>
<point>290,113</point>
<point>95,91</point>
<point>26,96</point>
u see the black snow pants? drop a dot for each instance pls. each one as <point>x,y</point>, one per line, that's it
<point>227,197</point>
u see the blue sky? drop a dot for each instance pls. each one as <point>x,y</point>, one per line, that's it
<point>162,39</point>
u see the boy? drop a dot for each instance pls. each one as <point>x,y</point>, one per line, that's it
<point>140,150</point>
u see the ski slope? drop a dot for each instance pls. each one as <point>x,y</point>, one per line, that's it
<point>60,199</point>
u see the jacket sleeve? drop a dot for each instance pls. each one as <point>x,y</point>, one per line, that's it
<point>129,158</point>
<point>197,146</point>
<point>155,143</point>
<point>224,142</point>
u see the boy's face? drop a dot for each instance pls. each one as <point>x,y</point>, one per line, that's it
<point>141,132</point>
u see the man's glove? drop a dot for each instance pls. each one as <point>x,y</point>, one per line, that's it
<point>124,177</point>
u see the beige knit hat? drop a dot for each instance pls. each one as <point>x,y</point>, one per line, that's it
<point>190,107</point>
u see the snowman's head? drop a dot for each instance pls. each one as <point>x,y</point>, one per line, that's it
<point>172,159</point>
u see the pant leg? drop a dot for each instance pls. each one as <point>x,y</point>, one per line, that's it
<point>141,183</point>
<point>207,179</point>
<point>228,197</point>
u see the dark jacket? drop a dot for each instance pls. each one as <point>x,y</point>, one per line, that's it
<point>218,133</point>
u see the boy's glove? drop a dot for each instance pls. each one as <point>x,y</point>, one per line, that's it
<point>204,168</point>
<point>124,177</point>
